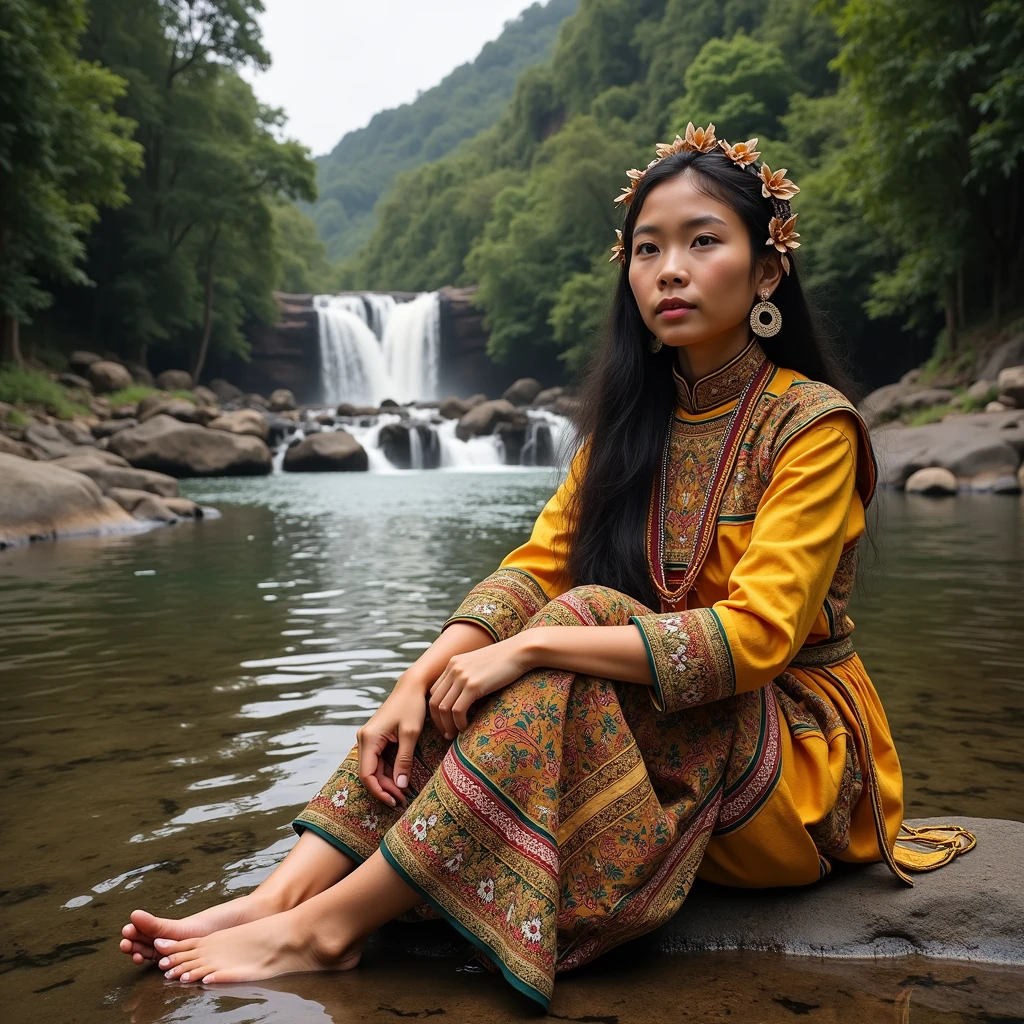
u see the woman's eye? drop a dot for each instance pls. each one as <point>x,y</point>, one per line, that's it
<point>643,250</point>
<point>708,238</point>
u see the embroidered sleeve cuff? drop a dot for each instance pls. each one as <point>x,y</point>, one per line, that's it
<point>689,656</point>
<point>503,603</point>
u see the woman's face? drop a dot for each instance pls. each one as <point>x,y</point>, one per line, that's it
<point>690,268</point>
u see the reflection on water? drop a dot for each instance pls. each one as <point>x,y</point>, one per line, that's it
<point>171,698</point>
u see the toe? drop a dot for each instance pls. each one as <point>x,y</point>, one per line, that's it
<point>165,927</point>
<point>129,931</point>
<point>168,946</point>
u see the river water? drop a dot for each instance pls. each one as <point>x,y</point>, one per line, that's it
<point>170,698</point>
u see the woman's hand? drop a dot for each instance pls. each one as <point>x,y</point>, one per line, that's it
<point>398,720</point>
<point>473,675</point>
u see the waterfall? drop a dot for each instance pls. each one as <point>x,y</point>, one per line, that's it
<point>373,347</point>
<point>412,348</point>
<point>351,362</point>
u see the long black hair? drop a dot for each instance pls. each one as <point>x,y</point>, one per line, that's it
<point>628,395</point>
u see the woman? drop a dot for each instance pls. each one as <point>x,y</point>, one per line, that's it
<point>570,783</point>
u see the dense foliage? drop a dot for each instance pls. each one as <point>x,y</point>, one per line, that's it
<point>365,162</point>
<point>190,247</point>
<point>901,120</point>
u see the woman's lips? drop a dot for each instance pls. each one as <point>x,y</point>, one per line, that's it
<point>675,312</point>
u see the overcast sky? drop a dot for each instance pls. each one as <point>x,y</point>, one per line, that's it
<point>337,62</point>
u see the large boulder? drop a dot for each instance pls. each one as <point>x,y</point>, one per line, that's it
<point>41,501</point>
<point>1009,353</point>
<point>397,440</point>
<point>81,361</point>
<point>142,505</point>
<point>968,446</point>
<point>523,391</point>
<point>252,400</point>
<point>335,450</point>
<point>8,446</point>
<point>48,440</point>
<point>1011,386</point>
<point>109,376</point>
<point>244,421</point>
<point>72,380</point>
<point>485,417</point>
<point>110,476</point>
<point>157,405</point>
<point>548,396</point>
<point>167,445</point>
<point>970,909</point>
<point>934,481</point>
<point>452,408</point>
<point>204,396</point>
<point>108,427</point>
<point>141,374</point>
<point>224,391</point>
<point>282,400</point>
<point>174,380</point>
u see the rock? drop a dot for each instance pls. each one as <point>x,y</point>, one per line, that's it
<point>396,440</point>
<point>453,408</point>
<point>350,411</point>
<point>994,483</point>
<point>76,433</point>
<point>323,452</point>
<point>927,399</point>
<point>1009,353</point>
<point>49,440</point>
<point>101,407</point>
<point>81,361</point>
<point>142,505</point>
<point>474,400</point>
<point>278,428</point>
<point>1020,476</point>
<point>911,376</point>
<point>970,909</point>
<point>325,419</point>
<point>204,415</point>
<point>40,501</point>
<point>513,437</point>
<point>118,474</point>
<point>204,396</point>
<point>996,407</point>
<point>549,396</point>
<point>179,408</point>
<point>5,411</point>
<point>1011,386</point>
<point>167,445</point>
<point>980,390</point>
<point>883,404</point>
<point>967,446</point>
<point>484,418</point>
<point>224,391</point>
<point>8,446</point>
<point>108,376</point>
<point>254,401</point>
<point>244,421</point>
<point>567,406</point>
<point>932,481</point>
<point>174,380</point>
<point>282,400</point>
<point>389,403</point>
<point>125,412</point>
<point>523,391</point>
<point>140,374</point>
<point>72,380</point>
<point>110,427</point>
<point>184,508</point>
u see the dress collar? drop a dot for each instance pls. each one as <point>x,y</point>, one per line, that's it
<point>723,385</point>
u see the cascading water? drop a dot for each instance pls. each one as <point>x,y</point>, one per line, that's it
<point>373,347</point>
<point>351,362</point>
<point>412,348</point>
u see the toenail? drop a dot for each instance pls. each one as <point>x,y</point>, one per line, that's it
<point>184,977</point>
<point>169,973</point>
<point>162,943</point>
<point>165,962</point>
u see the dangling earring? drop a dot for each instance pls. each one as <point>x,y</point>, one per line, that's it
<point>655,343</point>
<point>762,329</point>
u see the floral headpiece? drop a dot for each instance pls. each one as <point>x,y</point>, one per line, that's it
<point>774,185</point>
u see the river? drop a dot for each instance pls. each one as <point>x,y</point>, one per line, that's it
<point>170,698</point>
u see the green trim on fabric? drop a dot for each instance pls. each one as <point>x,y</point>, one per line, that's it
<point>831,620</point>
<point>484,781</point>
<point>657,697</point>
<point>477,621</point>
<point>728,646</point>
<point>748,518</point>
<point>512,979</point>
<point>300,826</point>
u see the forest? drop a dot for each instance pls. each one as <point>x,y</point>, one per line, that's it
<point>150,204</point>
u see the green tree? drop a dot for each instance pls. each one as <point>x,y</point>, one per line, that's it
<point>304,267</point>
<point>64,152</point>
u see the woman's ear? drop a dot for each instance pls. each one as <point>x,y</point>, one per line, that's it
<point>769,274</point>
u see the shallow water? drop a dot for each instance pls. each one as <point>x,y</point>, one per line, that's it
<point>170,699</point>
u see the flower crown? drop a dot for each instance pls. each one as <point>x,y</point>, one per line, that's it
<point>774,185</point>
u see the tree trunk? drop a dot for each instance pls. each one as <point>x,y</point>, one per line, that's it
<point>10,346</point>
<point>951,321</point>
<point>204,343</point>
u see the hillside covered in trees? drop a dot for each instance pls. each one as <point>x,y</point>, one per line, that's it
<point>362,166</point>
<point>902,121</point>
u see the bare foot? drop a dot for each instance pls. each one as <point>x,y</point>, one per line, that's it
<point>145,927</point>
<point>286,943</point>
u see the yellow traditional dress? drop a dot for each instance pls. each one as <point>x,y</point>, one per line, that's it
<point>575,812</point>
